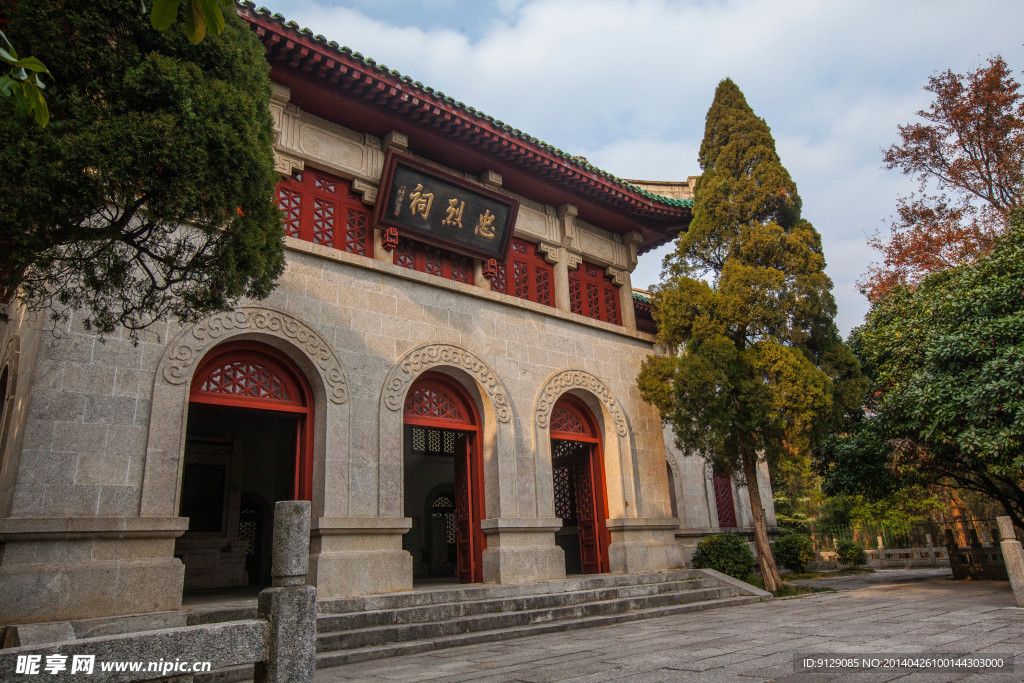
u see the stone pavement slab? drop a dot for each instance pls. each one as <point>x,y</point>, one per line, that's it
<point>886,613</point>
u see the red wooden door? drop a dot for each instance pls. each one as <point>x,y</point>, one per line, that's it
<point>571,421</point>
<point>586,500</point>
<point>724,503</point>
<point>466,522</point>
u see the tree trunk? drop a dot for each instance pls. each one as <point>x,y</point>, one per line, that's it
<point>765,559</point>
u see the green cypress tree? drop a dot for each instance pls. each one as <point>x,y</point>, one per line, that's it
<point>151,191</point>
<point>760,367</point>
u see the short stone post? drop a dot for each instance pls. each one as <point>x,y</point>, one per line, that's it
<point>932,560</point>
<point>289,605</point>
<point>1013,556</point>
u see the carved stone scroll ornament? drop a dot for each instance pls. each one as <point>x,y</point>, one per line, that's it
<point>430,356</point>
<point>578,379</point>
<point>193,342</point>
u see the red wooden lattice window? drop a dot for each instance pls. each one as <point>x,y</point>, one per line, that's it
<point>427,258</point>
<point>525,274</point>
<point>431,400</point>
<point>591,294</point>
<point>320,208</point>
<point>566,419</point>
<point>247,377</point>
<point>724,502</point>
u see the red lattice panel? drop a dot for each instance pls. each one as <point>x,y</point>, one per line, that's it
<point>724,502</point>
<point>564,419</point>
<point>593,302</point>
<point>405,254</point>
<point>322,209</point>
<point>593,295</point>
<point>243,378</point>
<point>355,234</point>
<point>462,270</point>
<point>611,305</point>
<point>290,203</point>
<point>498,282</point>
<point>432,402</point>
<point>433,261</point>
<point>520,279</point>
<point>543,279</point>
<point>324,213</point>
<point>326,184</point>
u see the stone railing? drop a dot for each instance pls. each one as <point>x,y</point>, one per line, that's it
<point>280,641</point>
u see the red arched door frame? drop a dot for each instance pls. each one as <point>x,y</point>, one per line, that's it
<point>437,401</point>
<point>258,377</point>
<point>571,420</point>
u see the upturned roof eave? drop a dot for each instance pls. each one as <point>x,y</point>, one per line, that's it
<point>312,56</point>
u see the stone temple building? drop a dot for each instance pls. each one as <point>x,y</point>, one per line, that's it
<point>447,370</point>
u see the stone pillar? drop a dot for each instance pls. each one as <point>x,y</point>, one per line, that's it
<point>622,278</point>
<point>1013,556</point>
<point>566,259</point>
<point>289,606</point>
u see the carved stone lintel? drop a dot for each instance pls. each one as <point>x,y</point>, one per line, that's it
<point>428,356</point>
<point>617,275</point>
<point>552,252</point>
<point>287,165</point>
<point>367,190</point>
<point>572,259</point>
<point>193,342</point>
<point>561,382</point>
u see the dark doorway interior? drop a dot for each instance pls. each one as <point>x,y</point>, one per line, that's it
<point>238,462</point>
<point>434,499</point>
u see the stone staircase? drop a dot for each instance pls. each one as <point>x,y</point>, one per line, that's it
<point>379,626</point>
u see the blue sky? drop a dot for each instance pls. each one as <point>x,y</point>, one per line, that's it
<point>627,83</point>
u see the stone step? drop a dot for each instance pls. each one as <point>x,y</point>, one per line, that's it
<point>502,619</point>
<point>449,610</point>
<point>473,592</point>
<point>337,658</point>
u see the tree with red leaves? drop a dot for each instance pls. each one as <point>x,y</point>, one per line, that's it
<point>968,157</point>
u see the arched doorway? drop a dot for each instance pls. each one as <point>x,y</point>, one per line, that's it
<point>577,468</point>
<point>443,477</point>
<point>248,443</point>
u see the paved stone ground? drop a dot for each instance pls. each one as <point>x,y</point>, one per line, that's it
<point>886,613</point>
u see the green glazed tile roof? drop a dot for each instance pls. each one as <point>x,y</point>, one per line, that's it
<point>438,95</point>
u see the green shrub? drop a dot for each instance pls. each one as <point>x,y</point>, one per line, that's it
<point>851,554</point>
<point>793,551</point>
<point>727,553</point>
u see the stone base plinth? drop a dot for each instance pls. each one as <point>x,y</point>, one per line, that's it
<point>644,545</point>
<point>522,550</point>
<point>359,556</point>
<point>72,568</point>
